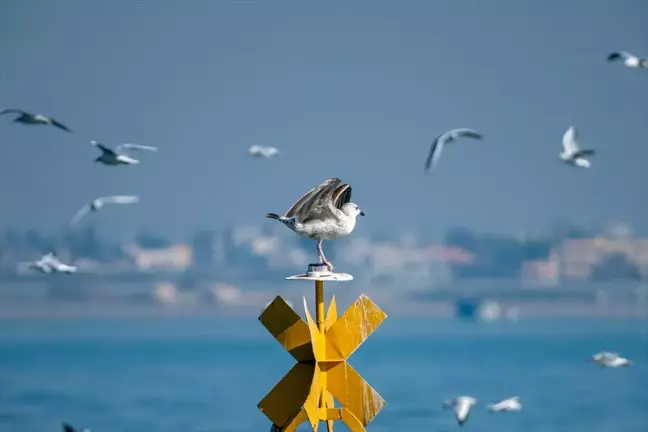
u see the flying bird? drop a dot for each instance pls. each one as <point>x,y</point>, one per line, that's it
<point>629,60</point>
<point>34,119</point>
<point>119,156</point>
<point>323,213</point>
<point>610,359</point>
<point>442,140</point>
<point>510,404</point>
<point>100,202</point>
<point>462,406</point>
<point>572,154</point>
<point>263,151</point>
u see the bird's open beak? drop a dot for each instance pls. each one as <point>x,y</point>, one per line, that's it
<point>361,213</point>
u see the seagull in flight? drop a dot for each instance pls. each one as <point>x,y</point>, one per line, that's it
<point>572,154</point>
<point>100,202</point>
<point>263,151</point>
<point>629,60</point>
<point>119,156</point>
<point>34,119</point>
<point>442,140</point>
<point>50,263</point>
<point>461,406</point>
<point>610,359</point>
<point>510,404</point>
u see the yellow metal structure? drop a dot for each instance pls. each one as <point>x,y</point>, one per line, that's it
<point>322,374</point>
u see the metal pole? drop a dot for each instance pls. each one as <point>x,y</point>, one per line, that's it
<point>319,303</point>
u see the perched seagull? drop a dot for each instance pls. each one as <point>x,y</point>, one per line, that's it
<point>572,154</point>
<point>323,213</point>
<point>629,60</point>
<point>462,406</point>
<point>119,156</point>
<point>69,428</point>
<point>510,404</point>
<point>263,151</point>
<point>100,202</point>
<point>446,138</point>
<point>610,359</point>
<point>34,119</point>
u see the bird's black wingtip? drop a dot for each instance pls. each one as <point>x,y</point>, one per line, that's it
<point>613,56</point>
<point>272,216</point>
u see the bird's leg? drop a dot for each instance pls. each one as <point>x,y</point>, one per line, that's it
<point>322,258</point>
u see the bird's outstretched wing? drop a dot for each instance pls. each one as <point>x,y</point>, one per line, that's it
<point>103,148</point>
<point>129,146</point>
<point>582,153</point>
<point>79,215</point>
<point>569,140</point>
<point>296,208</point>
<point>318,204</point>
<point>618,55</point>
<point>59,125</point>
<point>13,111</point>
<point>435,152</point>
<point>119,199</point>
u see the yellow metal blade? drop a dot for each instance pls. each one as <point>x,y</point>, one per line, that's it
<point>353,392</point>
<point>353,327</point>
<point>315,336</point>
<point>288,396</point>
<point>311,405</point>
<point>331,314</point>
<point>288,329</point>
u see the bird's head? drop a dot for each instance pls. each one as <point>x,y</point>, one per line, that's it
<point>352,209</point>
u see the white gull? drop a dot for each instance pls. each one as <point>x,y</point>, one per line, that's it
<point>119,156</point>
<point>462,406</point>
<point>323,213</point>
<point>572,154</point>
<point>442,140</point>
<point>100,202</point>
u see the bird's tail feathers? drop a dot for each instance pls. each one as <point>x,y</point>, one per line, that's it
<point>273,216</point>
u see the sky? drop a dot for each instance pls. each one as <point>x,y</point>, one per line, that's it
<point>356,90</point>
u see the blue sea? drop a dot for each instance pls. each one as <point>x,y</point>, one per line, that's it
<point>208,374</point>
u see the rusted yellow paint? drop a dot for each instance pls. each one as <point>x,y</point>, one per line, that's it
<point>353,392</point>
<point>322,375</point>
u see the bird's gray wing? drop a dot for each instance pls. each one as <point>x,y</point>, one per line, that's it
<point>318,206</point>
<point>466,132</point>
<point>129,146</point>
<point>82,212</point>
<point>618,55</point>
<point>119,199</point>
<point>59,125</point>
<point>582,153</point>
<point>13,111</point>
<point>295,208</point>
<point>103,148</point>
<point>341,196</point>
<point>435,151</point>
<point>68,428</point>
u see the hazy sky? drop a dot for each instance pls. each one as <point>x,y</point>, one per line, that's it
<point>355,90</point>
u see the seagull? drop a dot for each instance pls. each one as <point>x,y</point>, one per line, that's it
<point>629,60</point>
<point>34,119</point>
<point>572,154</point>
<point>100,202</point>
<point>610,359</point>
<point>118,156</point>
<point>41,265</point>
<point>446,138</point>
<point>50,263</point>
<point>69,428</point>
<point>263,151</point>
<point>323,213</point>
<point>510,404</point>
<point>462,406</point>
